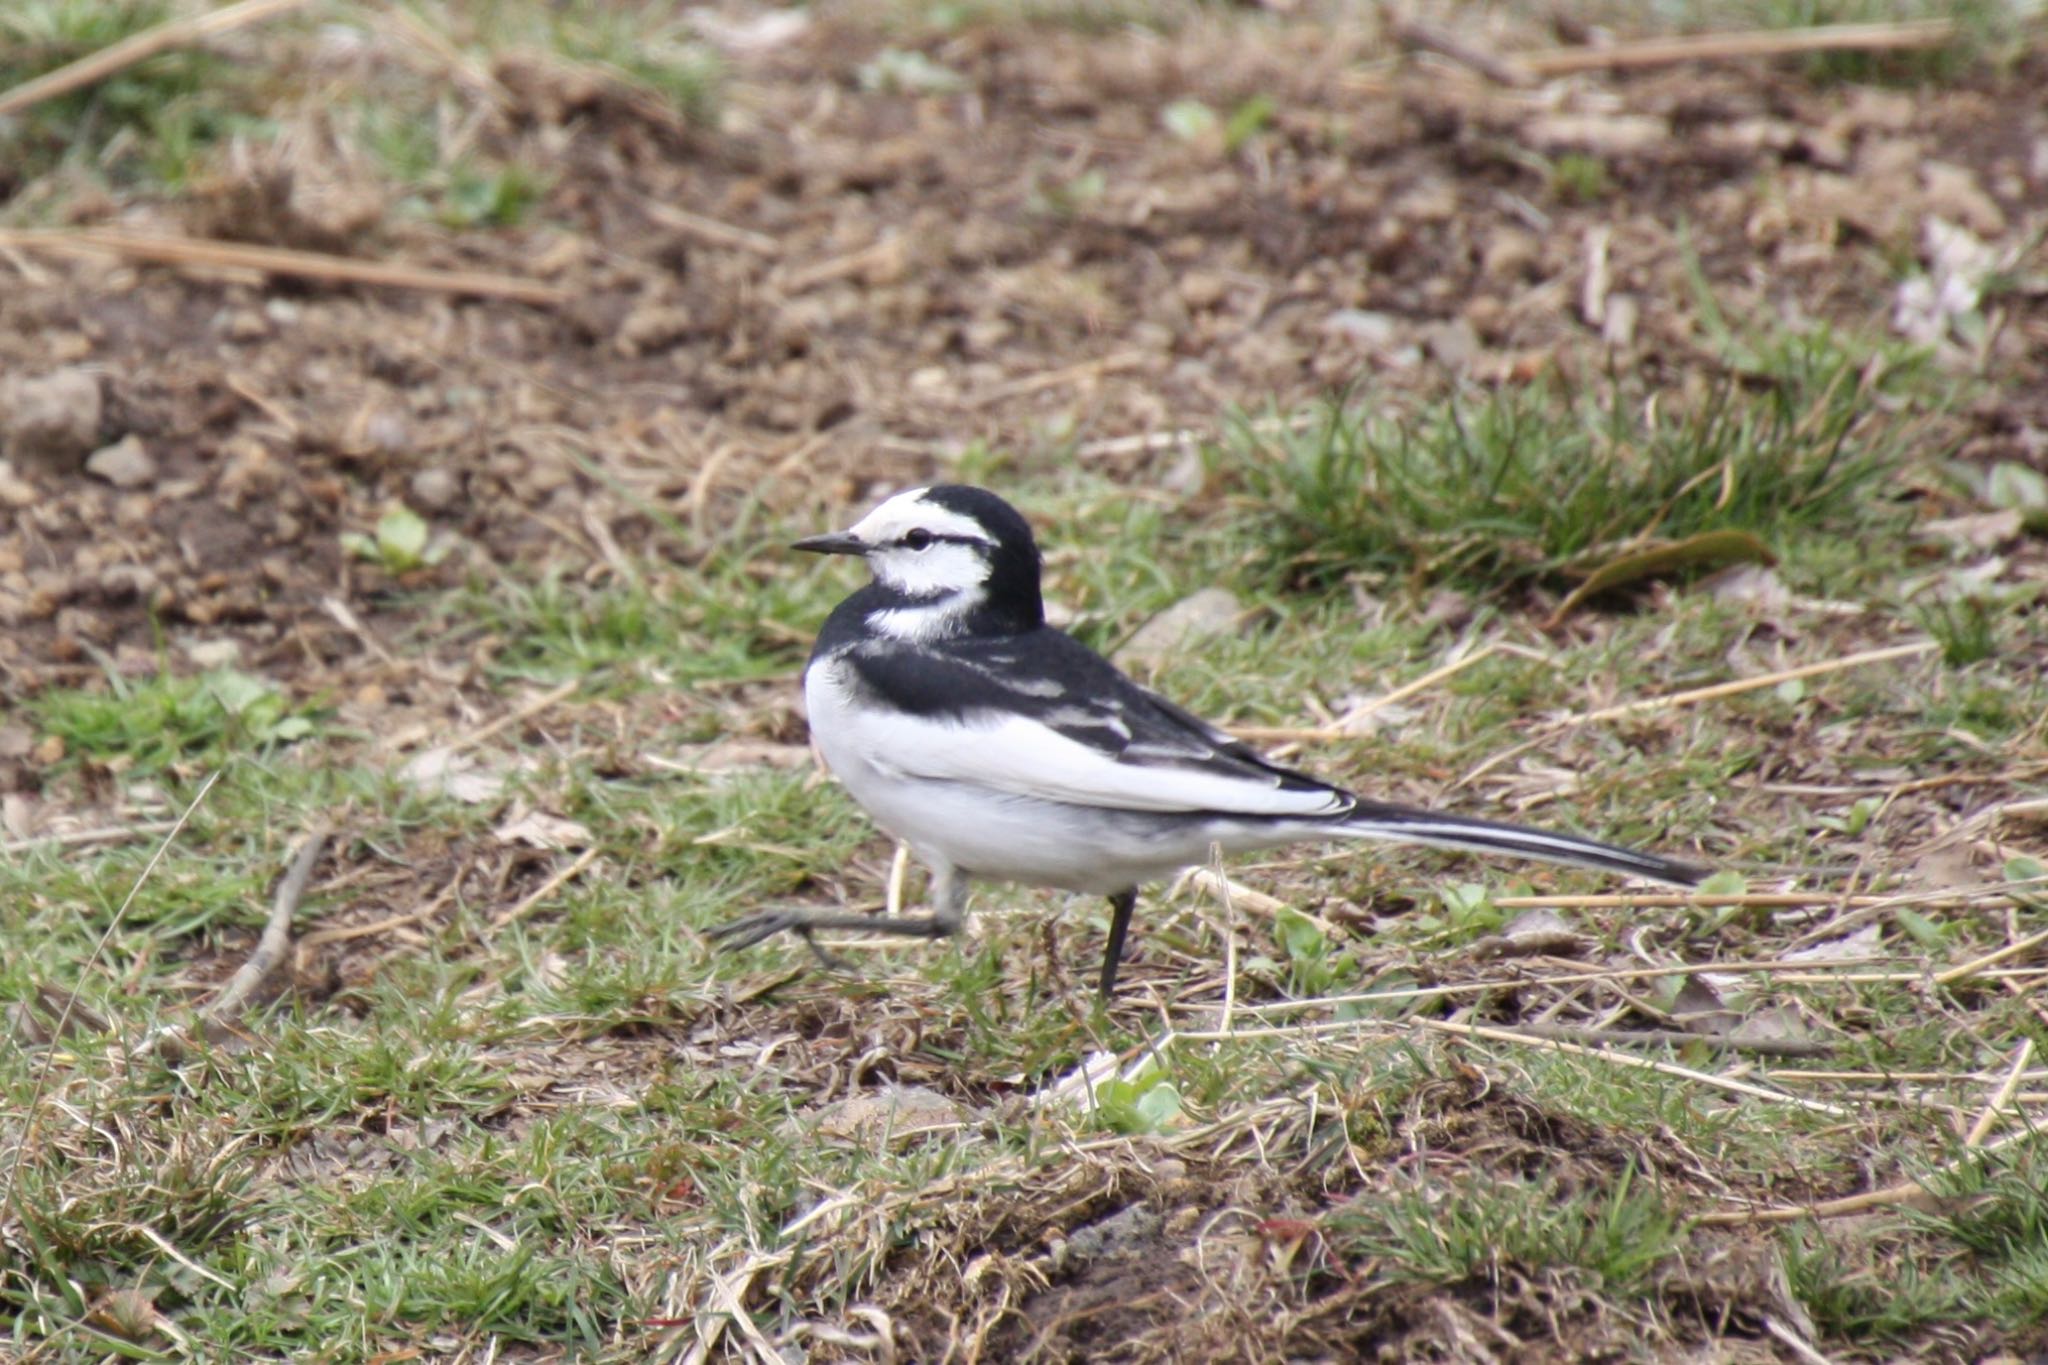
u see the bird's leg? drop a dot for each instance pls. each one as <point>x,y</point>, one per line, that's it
<point>949,904</point>
<point>1120,906</point>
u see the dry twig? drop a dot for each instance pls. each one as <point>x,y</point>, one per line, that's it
<point>1663,1037</point>
<point>277,933</point>
<point>711,230</point>
<point>545,889</point>
<point>1501,1035</point>
<point>1743,44</point>
<point>1413,33</point>
<point>140,47</point>
<point>105,834</point>
<point>275,260</point>
<point>1913,1194</point>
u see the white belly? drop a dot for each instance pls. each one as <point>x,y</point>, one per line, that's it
<point>1002,836</point>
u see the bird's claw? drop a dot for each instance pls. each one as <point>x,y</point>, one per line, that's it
<point>761,925</point>
<point>748,930</point>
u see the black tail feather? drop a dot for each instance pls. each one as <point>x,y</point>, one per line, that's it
<point>1404,824</point>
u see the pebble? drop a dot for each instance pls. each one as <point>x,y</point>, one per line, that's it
<point>212,654</point>
<point>1453,344</point>
<point>1186,624</point>
<point>15,491</point>
<point>1373,329</point>
<point>124,464</point>
<point>435,488</point>
<point>55,417</point>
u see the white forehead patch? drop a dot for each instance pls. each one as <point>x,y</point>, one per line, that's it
<point>908,511</point>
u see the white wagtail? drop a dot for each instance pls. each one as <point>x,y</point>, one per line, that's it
<point>999,747</point>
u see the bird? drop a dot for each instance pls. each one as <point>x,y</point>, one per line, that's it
<point>1001,749</point>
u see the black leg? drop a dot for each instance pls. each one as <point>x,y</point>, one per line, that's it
<point>1120,907</point>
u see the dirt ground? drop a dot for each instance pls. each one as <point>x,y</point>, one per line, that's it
<point>892,282</point>
<point>839,288</point>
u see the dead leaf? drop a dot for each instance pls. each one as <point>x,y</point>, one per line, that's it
<point>736,755</point>
<point>1864,942</point>
<point>1772,1024</point>
<point>539,829</point>
<point>1979,530</point>
<point>17,815</point>
<point>16,741</point>
<point>1754,586</point>
<point>894,1113</point>
<point>1700,1007</point>
<point>1539,930</point>
<point>444,772</point>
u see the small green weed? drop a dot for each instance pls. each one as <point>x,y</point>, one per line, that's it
<point>401,542</point>
<point>1578,178</point>
<point>166,718</point>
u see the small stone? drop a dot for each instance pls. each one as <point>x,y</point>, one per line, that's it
<point>126,580</point>
<point>15,491</point>
<point>1197,617</point>
<point>653,327</point>
<point>79,624</point>
<point>246,324</point>
<point>124,464</point>
<point>1953,193</point>
<point>1201,289</point>
<point>435,488</point>
<point>1601,134</point>
<point>1451,344</point>
<point>1367,328</point>
<point>56,417</point>
<point>212,654</point>
<point>1511,254</point>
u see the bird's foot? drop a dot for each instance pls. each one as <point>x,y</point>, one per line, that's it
<point>748,930</point>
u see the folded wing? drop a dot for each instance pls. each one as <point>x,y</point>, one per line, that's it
<point>1043,717</point>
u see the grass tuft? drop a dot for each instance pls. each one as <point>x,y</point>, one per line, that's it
<point>154,121</point>
<point>1527,485</point>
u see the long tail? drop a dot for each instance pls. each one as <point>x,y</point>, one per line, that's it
<point>1406,825</point>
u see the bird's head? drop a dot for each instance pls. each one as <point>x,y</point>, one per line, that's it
<point>952,559</point>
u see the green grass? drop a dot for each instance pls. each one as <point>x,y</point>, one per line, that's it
<point>161,124</point>
<point>578,1085</point>
<point>166,718</point>
<point>1516,486</point>
<point>541,1081</point>
<point>1460,1230</point>
<point>154,122</point>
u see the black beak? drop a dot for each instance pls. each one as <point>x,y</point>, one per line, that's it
<point>833,543</point>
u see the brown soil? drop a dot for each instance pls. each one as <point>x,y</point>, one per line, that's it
<point>1033,265</point>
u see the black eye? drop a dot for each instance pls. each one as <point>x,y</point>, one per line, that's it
<point>918,539</point>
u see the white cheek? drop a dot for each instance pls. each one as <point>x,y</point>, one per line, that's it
<point>938,568</point>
